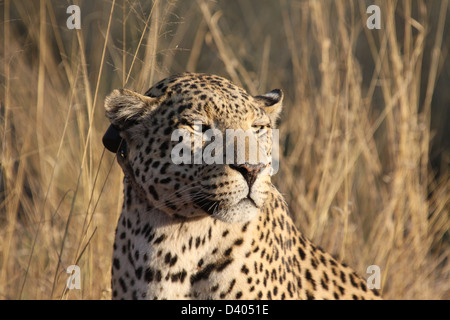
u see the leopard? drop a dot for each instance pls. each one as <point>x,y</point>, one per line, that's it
<point>209,231</point>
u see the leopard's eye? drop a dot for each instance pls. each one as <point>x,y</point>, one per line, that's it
<point>259,128</point>
<point>205,128</point>
<point>196,125</point>
<point>200,127</point>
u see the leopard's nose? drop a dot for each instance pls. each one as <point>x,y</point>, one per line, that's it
<point>248,171</point>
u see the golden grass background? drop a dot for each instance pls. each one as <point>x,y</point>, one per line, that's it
<point>364,132</point>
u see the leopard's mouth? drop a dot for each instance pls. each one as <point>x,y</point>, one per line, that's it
<point>250,200</point>
<point>211,206</point>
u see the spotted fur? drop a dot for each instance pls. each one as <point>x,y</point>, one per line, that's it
<point>214,231</point>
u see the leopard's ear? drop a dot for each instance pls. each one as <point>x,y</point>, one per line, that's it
<point>124,107</point>
<point>272,104</point>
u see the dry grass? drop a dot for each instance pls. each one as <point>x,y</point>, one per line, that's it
<point>360,125</point>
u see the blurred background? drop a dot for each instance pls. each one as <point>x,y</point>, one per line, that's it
<point>365,145</point>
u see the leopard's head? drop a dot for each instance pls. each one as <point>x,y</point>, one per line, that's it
<point>189,143</point>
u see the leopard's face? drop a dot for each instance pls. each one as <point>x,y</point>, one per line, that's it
<point>198,145</point>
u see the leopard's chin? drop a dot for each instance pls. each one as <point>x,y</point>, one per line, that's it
<point>244,211</point>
